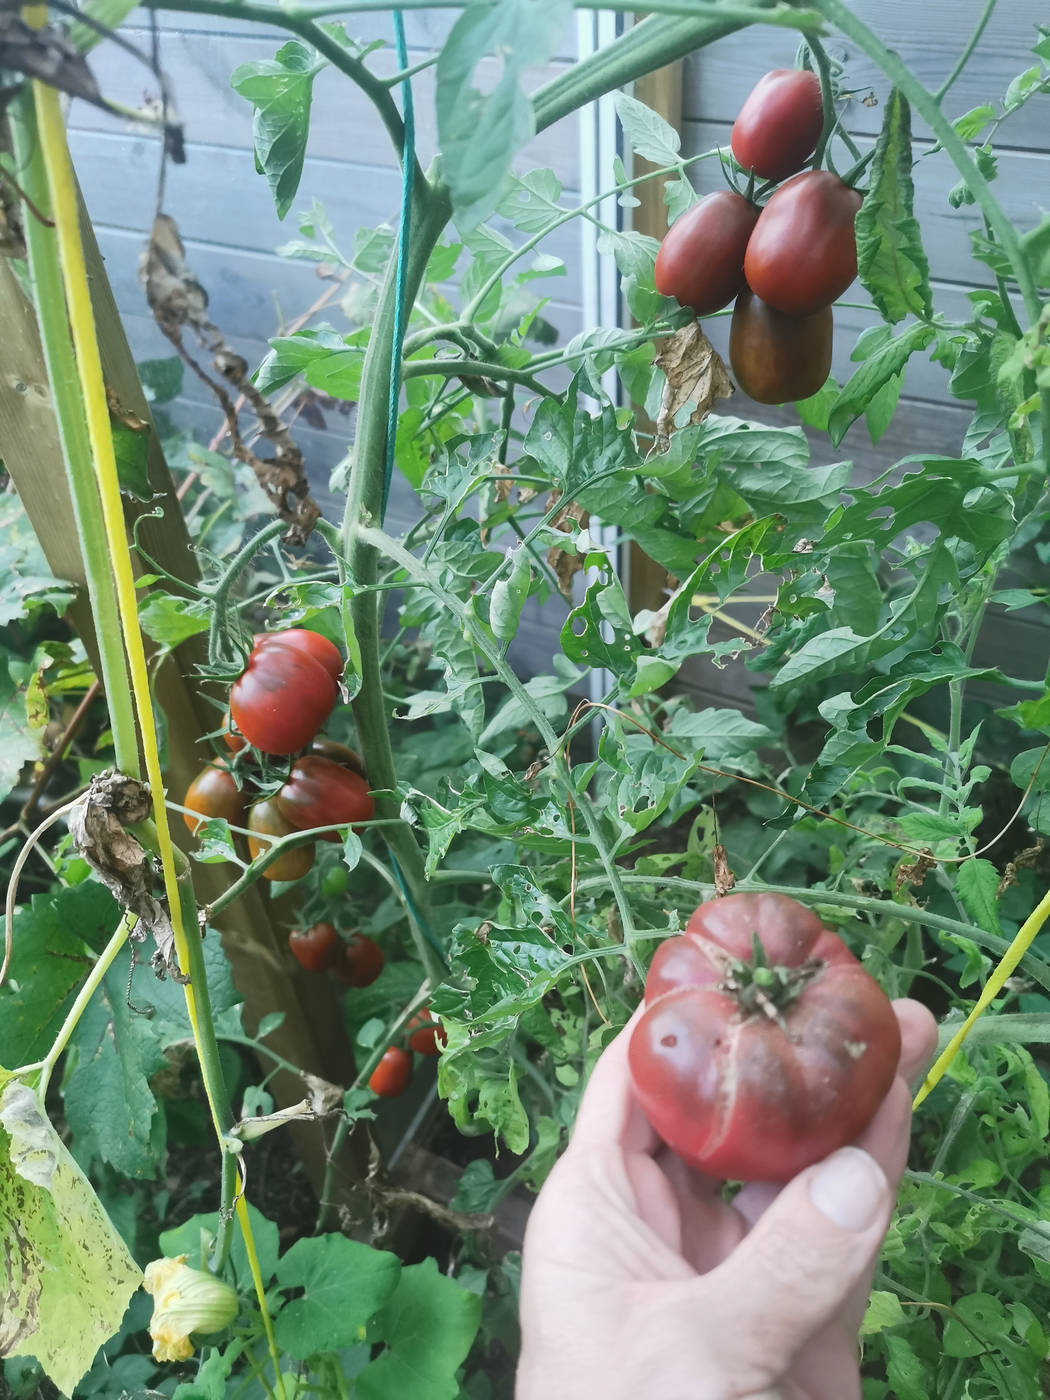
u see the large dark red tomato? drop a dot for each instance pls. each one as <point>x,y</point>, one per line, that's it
<point>392,1074</point>
<point>780,123</point>
<point>309,643</point>
<point>803,252</point>
<point>778,358</point>
<point>320,792</point>
<point>701,260</point>
<point>282,698</point>
<point>339,753</point>
<point>362,961</point>
<point>265,819</point>
<point>213,793</point>
<point>754,1072</point>
<point>317,948</point>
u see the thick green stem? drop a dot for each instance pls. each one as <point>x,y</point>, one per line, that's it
<point>221,593</point>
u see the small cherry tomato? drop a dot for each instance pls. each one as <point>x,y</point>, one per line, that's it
<point>339,753</point>
<point>317,948</point>
<point>701,259</point>
<point>265,820</point>
<point>426,1036</point>
<point>322,793</point>
<point>780,123</point>
<point>213,793</point>
<point>362,961</point>
<point>281,699</point>
<point>335,882</point>
<point>752,1063</point>
<point>803,252</point>
<point>392,1074</point>
<point>236,743</point>
<point>778,358</point>
<point>310,643</point>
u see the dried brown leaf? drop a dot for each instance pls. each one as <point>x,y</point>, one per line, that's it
<point>724,877</point>
<point>695,374</point>
<point>566,565</point>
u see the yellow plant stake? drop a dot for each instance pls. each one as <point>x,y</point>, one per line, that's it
<point>1013,955</point>
<point>89,368</point>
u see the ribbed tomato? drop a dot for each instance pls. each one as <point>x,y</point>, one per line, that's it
<point>265,819</point>
<point>309,643</point>
<point>282,698</point>
<point>753,1068</point>
<point>780,123</point>
<point>803,252</point>
<point>317,948</point>
<point>778,358</point>
<point>361,962</point>
<point>701,259</point>
<point>213,793</point>
<point>320,792</point>
<point>392,1074</point>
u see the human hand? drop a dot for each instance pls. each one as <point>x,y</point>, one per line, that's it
<point>640,1281</point>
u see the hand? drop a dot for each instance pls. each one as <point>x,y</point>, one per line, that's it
<point>640,1281</point>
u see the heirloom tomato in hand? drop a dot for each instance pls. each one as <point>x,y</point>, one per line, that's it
<point>320,792</point>
<point>282,698</point>
<point>780,123</point>
<point>309,643</point>
<point>317,948</point>
<point>264,820</point>
<point>803,252</point>
<point>213,793</point>
<point>701,260</point>
<point>362,961</point>
<point>778,358</point>
<point>764,1045</point>
<point>392,1074</point>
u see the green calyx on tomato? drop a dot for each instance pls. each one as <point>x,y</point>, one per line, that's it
<point>754,1077</point>
<point>778,358</point>
<point>803,251</point>
<point>779,124</point>
<point>701,259</point>
<point>265,821</point>
<point>321,792</point>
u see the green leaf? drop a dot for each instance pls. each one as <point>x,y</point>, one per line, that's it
<point>861,388</point>
<point>532,201</point>
<point>816,410</point>
<point>979,1320</point>
<point>26,580</point>
<point>891,261</point>
<point>20,734</point>
<point>480,133</point>
<point>976,884</point>
<point>345,1283</point>
<point>1024,86</point>
<point>509,594</point>
<point>648,134</point>
<point>280,89</point>
<point>929,828</point>
<point>1035,245</point>
<point>973,122</point>
<point>880,410</point>
<point>69,1276</point>
<point>162,379</point>
<point>131,448</point>
<point>194,1239</point>
<point>170,620</point>
<point>599,633</point>
<point>429,1326</point>
<point>884,1310</point>
<point>328,361</point>
<point>907,1375</point>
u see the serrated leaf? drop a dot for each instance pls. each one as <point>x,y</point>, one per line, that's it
<point>976,883</point>
<point>884,1310</point>
<point>170,620</point>
<point>973,122</point>
<point>891,261</point>
<point>429,1326</point>
<point>1024,86</point>
<point>532,201</point>
<point>928,828</point>
<point>345,1283</point>
<point>648,134</point>
<point>280,90</point>
<point>860,389</point>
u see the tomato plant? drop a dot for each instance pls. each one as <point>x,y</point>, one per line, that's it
<point>754,1060</point>
<point>426,1035</point>
<point>393,1074</point>
<point>311,644</point>
<point>265,820</point>
<point>803,251</point>
<point>214,793</point>
<point>779,124</point>
<point>778,358</point>
<point>361,961</point>
<point>318,948</point>
<point>321,792</point>
<point>701,259</point>
<point>282,698</point>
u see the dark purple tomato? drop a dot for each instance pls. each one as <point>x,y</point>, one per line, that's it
<point>803,252</point>
<point>701,260</point>
<point>778,358</point>
<point>780,123</point>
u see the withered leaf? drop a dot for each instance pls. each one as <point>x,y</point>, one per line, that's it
<point>695,374</point>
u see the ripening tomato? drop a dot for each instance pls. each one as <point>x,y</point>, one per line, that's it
<point>701,260</point>
<point>281,699</point>
<point>778,358</point>
<point>322,793</point>
<point>426,1036</point>
<point>213,793</point>
<point>265,819</point>
<point>309,643</point>
<point>362,961</point>
<point>317,948</point>
<point>236,743</point>
<point>392,1074</point>
<point>780,123</point>
<point>803,252</point>
<point>752,1071</point>
<point>339,753</point>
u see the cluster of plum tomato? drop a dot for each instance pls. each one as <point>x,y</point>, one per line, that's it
<point>786,262</point>
<point>277,706</point>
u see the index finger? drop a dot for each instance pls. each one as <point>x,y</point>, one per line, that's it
<point>609,1115</point>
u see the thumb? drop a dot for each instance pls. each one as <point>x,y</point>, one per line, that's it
<point>814,1244</point>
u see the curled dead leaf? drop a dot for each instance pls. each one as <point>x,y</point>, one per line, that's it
<point>695,374</point>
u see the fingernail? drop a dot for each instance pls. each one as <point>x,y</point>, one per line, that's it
<point>849,1188</point>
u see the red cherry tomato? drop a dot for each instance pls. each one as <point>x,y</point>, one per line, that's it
<point>780,123</point>
<point>362,961</point>
<point>317,948</point>
<point>213,793</point>
<point>754,1073</point>
<point>392,1074</point>
<point>701,260</point>
<point>309,643</point>
<point>236,743</point>
<point>425,1035</point>
<point>265,819</point>
<point>322,793</point>
<point>778,358</point>
<point>803,252</point>
<point>281,699</point>
<point>339,753</point>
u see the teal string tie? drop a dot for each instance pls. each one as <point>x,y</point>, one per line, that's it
<point>408,166</point>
